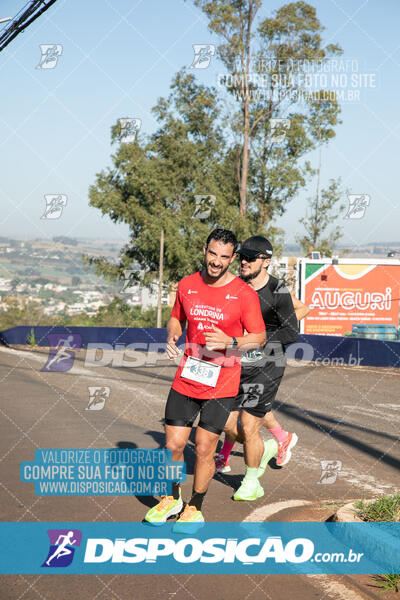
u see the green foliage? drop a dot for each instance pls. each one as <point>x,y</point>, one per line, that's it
<point>115,314</point>
<point>266,62</point>
<point>41,281</point>
<point>219,142</point>
<point>75,280</point>
<point>153,185</point>
<point>386,508</point>
<point>12,315</point>
<point>67,241</point>
<point>31,340</point>
<point>389,582</point>
<point>322,212</point>
<point>118,314</point>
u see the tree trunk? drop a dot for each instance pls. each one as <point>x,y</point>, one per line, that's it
<point>160,279</point>
<point>316,230</point>
<point>246,116</point>
<point>245,163</point>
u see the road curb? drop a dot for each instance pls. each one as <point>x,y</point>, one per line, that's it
<point>385,546</point>
<point>347,513</point>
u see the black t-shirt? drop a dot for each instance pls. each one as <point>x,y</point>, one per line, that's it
<point>279,318</point>
<point>278,312</point>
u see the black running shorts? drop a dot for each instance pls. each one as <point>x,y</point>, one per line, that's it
<point>258,389</point>
<point>182,411</point>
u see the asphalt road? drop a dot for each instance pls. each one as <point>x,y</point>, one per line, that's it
<point>347,416</point>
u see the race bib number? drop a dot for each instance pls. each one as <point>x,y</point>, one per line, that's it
<point>251,356</point>
<point>201,371</point>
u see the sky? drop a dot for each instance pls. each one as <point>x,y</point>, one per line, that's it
<point>119,56</point>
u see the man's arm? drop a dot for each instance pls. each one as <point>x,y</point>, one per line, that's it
<point>174,331</point>
<point>300,308</point>
<point>218,340</point>
<point>288,330</point>
<point>252,322</point>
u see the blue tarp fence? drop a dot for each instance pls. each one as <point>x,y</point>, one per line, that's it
<point>322,349</point>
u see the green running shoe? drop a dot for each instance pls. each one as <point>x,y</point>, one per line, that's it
<point>249,490</point>
<point>166,508</point>
<point>190,521</point>
<point>270,450</point>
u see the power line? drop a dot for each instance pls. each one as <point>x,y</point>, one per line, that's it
<point>27,15</point>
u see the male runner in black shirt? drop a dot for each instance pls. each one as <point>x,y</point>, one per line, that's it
<point>262,372</point>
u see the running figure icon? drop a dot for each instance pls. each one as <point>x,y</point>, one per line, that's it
<point>62,549</point>
<point>63,544</point>
<point>61,356</point>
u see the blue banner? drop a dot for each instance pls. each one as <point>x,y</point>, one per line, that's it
<point>216,548</point>
<point>349,351</point>
<point>102,472</point>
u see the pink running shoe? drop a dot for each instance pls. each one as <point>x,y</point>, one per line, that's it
<point>284,450</point>
<point>221,466</point>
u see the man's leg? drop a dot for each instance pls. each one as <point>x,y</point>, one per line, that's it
<point>250,488</point>
<point>233,434</point>
<point>214,415</point>
<point>176,440</point>
<point>231,428</point>
<point>180,412</point>
<point>286,441</point>
<point>274,427</point>
<point>206,444</point>
<point>253,446</point>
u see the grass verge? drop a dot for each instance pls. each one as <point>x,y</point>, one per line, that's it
<point>386,508</point>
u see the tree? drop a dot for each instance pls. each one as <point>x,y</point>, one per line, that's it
<point>201,148</point>
<point>67,241</point>
<point>14,283</point>
<point>75,281</point>
<point>322,212</point>
<point>154,183</point>
<point>30,313</point>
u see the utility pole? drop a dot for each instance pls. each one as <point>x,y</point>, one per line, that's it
<point>160,279</point>
<point>26,16</point>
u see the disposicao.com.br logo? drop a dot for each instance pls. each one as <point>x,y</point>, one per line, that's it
<point>217,548</point>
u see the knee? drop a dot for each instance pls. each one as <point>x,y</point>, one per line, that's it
<point>230,429</point>
<point>231,424</point>
<point>175,445</point>
<point>250,428</point>
<point>204,450</point>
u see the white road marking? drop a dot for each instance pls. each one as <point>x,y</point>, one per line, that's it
<point>361,480</point>
<point>370,412</point>
<point>389,406</point>
<point>334,589</point>
<point>89,373</point>
<point>264,512</point>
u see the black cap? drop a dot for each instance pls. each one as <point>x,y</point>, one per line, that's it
<point>254,246</point>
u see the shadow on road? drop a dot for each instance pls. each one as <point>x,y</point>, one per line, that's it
<point>320,421</point>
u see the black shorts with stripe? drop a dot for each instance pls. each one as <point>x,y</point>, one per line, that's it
<point>258,389</point>
<point>181,411</point>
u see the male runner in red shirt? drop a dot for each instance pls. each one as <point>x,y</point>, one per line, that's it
<point>217,307</point>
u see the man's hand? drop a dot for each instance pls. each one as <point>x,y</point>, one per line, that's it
<point>217,339</point>
<point>171,349</point>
